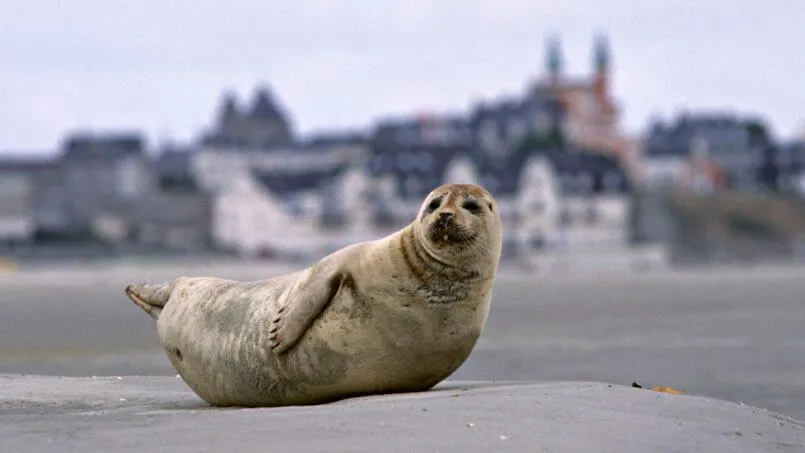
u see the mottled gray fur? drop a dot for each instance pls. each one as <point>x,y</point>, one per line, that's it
<point>396,314</point>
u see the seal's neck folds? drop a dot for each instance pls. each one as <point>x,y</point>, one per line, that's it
<point>426,261</point>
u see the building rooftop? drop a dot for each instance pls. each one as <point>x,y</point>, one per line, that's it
<point>85,146</point>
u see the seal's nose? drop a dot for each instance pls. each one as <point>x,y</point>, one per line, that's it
<point>444,216</point>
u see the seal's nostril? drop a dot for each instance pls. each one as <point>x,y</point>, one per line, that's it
<point>445,215</point>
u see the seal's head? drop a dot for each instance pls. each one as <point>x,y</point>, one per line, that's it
<point>460,222</point>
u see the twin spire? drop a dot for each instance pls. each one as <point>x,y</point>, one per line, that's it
<point>553,56</point>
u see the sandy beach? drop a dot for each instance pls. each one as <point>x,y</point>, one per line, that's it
<point>732,334</point>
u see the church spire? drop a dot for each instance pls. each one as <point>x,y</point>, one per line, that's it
<point>601,66</point>
<point>553,59</point>
<point>601,54</point>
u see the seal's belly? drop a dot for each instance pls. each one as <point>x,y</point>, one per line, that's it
<point>354,347</point>
<point>390,349</point>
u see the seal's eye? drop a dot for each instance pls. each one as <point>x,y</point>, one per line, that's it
<point>433,205</point>
<point>471,205</point>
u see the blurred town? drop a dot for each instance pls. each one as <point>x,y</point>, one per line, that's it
<point>574,189</point>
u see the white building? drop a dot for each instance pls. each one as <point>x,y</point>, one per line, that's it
<point>539,204</point>
<point>248,219</point>
<point>17,223</point>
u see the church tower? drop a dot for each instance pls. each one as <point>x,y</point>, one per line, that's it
<point>601,64</point>
<point>553,60</point>
<point>228,112</point>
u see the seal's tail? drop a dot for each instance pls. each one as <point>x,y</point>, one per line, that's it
<point>150,298</point>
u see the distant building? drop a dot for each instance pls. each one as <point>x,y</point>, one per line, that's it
<point>177,214</point>
<point>268,213</point>
<point>216,166</point>
<point>408,159</point>
<point>705,151</point>
<point>784,168</point>
<point>262,125</point>
<point>591,118</point>
<point>503,128</point>
<point>595,200</point>
<point>557,199</point>
<point>104,175</point>
<point>18,200</point>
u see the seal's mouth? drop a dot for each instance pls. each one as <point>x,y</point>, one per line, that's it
<point>449,232</point>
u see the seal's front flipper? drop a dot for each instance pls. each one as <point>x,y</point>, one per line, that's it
<point>150,298</point>
<point>304,304</point>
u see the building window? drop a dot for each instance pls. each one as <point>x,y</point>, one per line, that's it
<point>426,161</point>
<point>612,182</point>
<point>565,217</point>
<point>537,240</point>
<point>516,129</point>
<point>591,214</point>
<point>586,183</point>
<point>488,135</point>
<point>413,185</point>
<point>542,122</point>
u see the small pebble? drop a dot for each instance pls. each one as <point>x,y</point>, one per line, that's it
<point>471,425</point>
<point>122,399</point>
<point>503,437</point>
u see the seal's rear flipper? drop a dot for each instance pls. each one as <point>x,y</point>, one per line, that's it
<point>150,298</point>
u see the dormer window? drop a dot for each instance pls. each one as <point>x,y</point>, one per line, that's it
<point>591,214</point>
<point>426,161</point>
<point>413,185</point>
<point>585,182</point>
<point>516,129</point>
<point>488,135</point>
<point>564,217</point>
<point>490,182</point>
<point>612,181</point>
<point>542,122</point>
<point>405,161</point>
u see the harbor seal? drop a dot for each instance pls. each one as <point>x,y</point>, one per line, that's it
<point>396,314</point>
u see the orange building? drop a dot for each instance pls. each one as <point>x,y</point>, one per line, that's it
<point>592,116</point>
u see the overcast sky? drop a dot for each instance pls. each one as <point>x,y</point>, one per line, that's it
<point>161,66</point>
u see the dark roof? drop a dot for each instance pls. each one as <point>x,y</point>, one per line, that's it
<point>174,171</point>
<point>422,131</point>
<point>790,156</point>
<point>719,130</point>
<point>264,106</point>
<point>229,106</point>
<point>25,161</point>
<point>85,146</point>
<point>589,172</point>
<point>502,113</point>
<point>286,183</point>
<point>327,139</point>
<point>415,170</point>
<point>416,151</point>
<point>501,175</point>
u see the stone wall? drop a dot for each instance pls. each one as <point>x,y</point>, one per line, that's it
<point>727,227</point>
